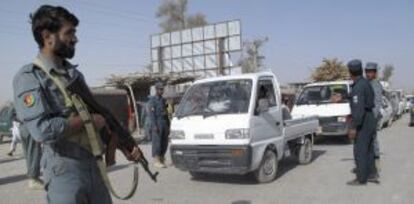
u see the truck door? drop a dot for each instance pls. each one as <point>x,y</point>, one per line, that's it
<point>268,124</point>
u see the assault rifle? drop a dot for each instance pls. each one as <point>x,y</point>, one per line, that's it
<point>123,139</point>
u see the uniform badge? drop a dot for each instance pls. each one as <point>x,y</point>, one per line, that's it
<point>29,100</point>
<point>355,99</point>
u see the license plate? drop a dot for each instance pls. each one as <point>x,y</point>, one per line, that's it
<point>319,131</point>
<point>204,136</point>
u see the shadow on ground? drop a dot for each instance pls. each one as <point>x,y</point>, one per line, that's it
<point>332,140</point>
<point>12,179</point>
<point>242,202</point>
<point>3,161</point>
<point>285,166</point>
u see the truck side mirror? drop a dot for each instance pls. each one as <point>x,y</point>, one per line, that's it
<point>263,105</point>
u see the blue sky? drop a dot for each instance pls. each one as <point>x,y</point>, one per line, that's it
<point>114,35</point>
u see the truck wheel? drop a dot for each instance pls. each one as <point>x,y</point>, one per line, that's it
<point>1,139</point>
<point>305,152</point>
<point>267,170</point>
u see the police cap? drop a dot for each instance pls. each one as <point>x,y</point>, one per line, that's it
<point>355,67</point>
<point>371,66</point>
<point>159,85</point>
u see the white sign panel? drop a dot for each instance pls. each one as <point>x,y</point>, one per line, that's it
<point>195,49</point>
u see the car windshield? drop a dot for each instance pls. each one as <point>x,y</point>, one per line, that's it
<point>219,97</point>
<point>335,93</point>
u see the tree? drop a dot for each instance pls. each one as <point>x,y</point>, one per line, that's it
<point>330,70</point>
<point>253,62</point>
<point>173,16</point>
<point>387,72</point>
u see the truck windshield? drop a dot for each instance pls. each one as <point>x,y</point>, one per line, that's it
<point>219,97</point>
<point>335,93</point>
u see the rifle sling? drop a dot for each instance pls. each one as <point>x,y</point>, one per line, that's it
<point>93,136</point>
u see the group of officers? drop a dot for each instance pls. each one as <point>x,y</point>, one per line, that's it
<point>365,102</point>
<point>70,173</point>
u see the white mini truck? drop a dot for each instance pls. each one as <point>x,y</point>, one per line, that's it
<point>237,125</point>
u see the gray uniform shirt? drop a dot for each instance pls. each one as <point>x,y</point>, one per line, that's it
<point>377,87</point>
<point>40,104</point>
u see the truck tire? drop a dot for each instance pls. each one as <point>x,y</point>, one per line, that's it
<point>305,152</point>
<point>1,138</point>
<point>268,168</point>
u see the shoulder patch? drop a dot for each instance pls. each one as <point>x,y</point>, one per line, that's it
<point>29,100</point>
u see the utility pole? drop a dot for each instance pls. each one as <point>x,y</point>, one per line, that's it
<point>221,57</point>
<point>255,56</point>
<point>160,60</point>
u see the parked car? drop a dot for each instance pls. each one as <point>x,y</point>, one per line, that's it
<point>410,103</point>
<point>387,114</point>
<point>395,103</point>
<point>236,125</point>
<point>6,117</point>
<point>401,103</point>
<point>118,102</point>
<point>329,101</point>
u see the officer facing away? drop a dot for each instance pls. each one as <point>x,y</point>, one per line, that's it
<point>363,123</point>
<point>371,70</point>
<point>71,174</point>
<point>160,123</point>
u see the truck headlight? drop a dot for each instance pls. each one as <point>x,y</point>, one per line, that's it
<point>342,119</point>
<point>177,135</point>
<point>242,133</point>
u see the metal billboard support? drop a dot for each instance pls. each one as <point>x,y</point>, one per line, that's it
<point>220,54</point>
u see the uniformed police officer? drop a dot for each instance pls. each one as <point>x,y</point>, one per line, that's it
<point>160,126</point>
<point>145,120</point>
<point>371,70</point>
<point>32,151</point>
<point>71,173</point>
<point>363,123</point>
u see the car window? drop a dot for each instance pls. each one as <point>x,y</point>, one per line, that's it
<point>266,90</point>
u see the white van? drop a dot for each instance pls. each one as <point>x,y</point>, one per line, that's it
<point>237,125</point>
<point>329,101</point>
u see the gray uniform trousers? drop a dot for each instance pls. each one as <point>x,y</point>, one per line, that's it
<point>159,138</point>
<point>375,142</point>
<point>33,153</point>
<point>73,180</point>
<point>364,148</point>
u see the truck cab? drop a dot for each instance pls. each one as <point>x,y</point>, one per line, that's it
<point>329,101</point>
<point>235,125</point>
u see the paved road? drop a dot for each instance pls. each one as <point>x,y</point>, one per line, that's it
<point>322,181</point>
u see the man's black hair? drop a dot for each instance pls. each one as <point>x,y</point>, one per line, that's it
<point>356,72</point>
<point>355,67</point>
<point>50,18</point>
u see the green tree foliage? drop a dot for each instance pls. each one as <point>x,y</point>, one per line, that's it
<point>253,61</point>
<point>387,72</point>
<point>330,70</point>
